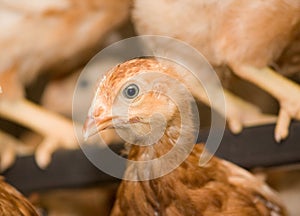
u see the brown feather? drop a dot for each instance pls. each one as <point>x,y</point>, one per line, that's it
<point>247,36</point>
<point>218,188</point>
<point>194,190</point>
<point>252,32</point>
<point>14,203</point>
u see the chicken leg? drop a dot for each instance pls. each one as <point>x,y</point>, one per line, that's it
<point>284,90</point>
<point>238,112</point>
<point>9,148</point>
<point>57,130</point>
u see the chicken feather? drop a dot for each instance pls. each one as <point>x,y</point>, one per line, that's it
<point>12,202</point>
<point>247,36</point>
<point>35,37</point>
<point>217,188</point>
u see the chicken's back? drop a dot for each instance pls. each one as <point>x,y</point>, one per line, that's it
<point>245,31</point>
<point>38,35</point>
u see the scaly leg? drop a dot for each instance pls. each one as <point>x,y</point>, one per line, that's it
<point>238,112</point>
<point>284,90</point>
<point>57,130</point>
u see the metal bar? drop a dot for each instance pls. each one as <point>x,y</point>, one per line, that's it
<point>254,147</point>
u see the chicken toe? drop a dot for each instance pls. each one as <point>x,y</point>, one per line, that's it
<point>240,113</point>
<point>7,150</point>
<point>44,151</point>
<point>283,89</point>
<point>282,126</point>
<point>10,147</point>
<point>57,130</point>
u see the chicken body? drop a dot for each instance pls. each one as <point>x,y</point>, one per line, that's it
<point>37,36</point>
<point>224,31</point>
<point>13,203</point>
<point>217,188</point>
<point>247,36</point>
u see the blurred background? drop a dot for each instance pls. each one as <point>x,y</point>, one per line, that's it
<point>44,46</point>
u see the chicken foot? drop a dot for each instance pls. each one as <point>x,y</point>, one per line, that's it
<point>238,113</point>
<point>285,91</point>
<point>9,148</point>
<point>57,130</point>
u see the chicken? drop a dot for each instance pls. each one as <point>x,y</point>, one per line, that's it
<point>13,203</point>
<point>247,36</point>
<point>146,101</point>
<point>37,36</point>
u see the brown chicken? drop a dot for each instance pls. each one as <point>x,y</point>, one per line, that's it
<point>216,188</point>
<point>37,36</point>
<point>247,36</point>
<point>14,203</point>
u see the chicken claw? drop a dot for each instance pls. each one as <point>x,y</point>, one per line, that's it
<point>240,113</point>
<point>10,147</point>
<point>44,151</point>
<point>7,150</point>
<point>57,130</point>
<point>283,89</point>
<point>283,122</point>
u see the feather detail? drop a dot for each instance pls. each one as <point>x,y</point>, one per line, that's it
<point>218,188</point>
<point>13,203</point>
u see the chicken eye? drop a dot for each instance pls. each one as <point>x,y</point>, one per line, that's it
<point>131,91</point>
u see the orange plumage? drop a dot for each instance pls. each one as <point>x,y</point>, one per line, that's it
<point>218,188</point>
<point>247,36</point>
<point>42,36</point>
<point>14,203</point>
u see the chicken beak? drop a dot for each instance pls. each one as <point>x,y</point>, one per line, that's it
<point>95,125</point>
<point>89,128</point>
